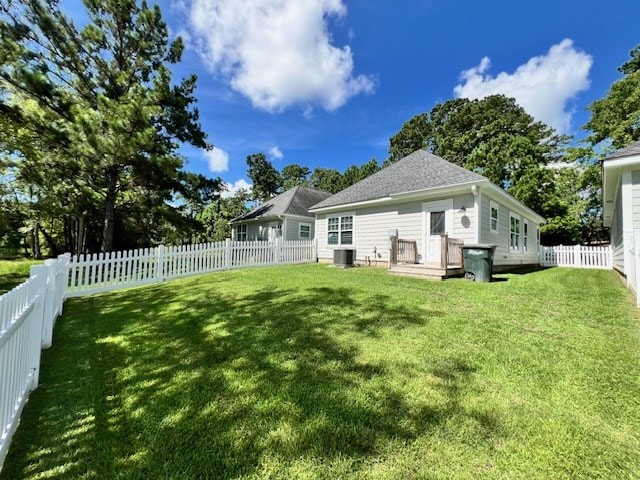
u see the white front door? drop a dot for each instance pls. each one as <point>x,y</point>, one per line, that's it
<point>437,220</point>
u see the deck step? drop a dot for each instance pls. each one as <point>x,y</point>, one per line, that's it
<point>425,272</point>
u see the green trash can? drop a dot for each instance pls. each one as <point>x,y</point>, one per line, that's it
<point>478,261</point>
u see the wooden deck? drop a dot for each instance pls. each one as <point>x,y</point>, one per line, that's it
<point>426,272</point>
<point>404,260</point>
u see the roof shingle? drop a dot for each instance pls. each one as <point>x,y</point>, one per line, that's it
<point>295,201</point>
<point>628,151</point>
<point>418,171</point>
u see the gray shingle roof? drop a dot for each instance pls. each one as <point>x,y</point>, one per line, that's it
<point>628,151</point>
<point>418,171</point>
<point>295,201</point>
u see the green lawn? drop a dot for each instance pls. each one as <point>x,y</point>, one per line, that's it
<point>14,272</point>
<point>316,372</point>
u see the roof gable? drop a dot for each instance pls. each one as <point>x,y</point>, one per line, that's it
<point>418,171</point>
<point>295,201</point>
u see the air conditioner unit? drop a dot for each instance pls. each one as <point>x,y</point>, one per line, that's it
<point>343,257</point>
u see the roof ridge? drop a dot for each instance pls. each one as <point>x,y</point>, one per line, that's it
<point>293,191</point>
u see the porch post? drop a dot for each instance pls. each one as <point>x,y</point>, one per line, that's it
<point>443,250</point>
<point>393,255</point>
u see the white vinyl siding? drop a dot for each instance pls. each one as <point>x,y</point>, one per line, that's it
<point>514,232</point>
<point>372,224</point>
<point>635,195</point>
<point>617,237</point>
<point>504,255</point>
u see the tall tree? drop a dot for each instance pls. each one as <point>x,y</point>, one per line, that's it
<point>493,136</point>
<point>104,97</point>
<point>632,65</point>
<point>217,215</point>
<point>294,175</point>
<point>355,173</point>
<point>326,179</point>
<point>267,182</point>
<point>616,117</point>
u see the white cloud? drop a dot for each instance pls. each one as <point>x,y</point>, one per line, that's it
<point>543,86</point>
<point>217,159</point>
<point>278,53</point>
<point>232,188</point>
<point>275,153</point>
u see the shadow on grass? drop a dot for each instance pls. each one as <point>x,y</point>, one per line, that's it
<point>159,383</point>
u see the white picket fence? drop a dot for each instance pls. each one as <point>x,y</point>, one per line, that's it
<point>29,311</point>
<point>103,272</point>
<point>577,256</point>
<point>27,317</point>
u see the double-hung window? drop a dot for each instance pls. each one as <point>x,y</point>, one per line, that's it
<point>340,230</point>
<point>514,232</point>
<point>304,230</point>
<point>493,216</point>
<point>242,232</point>
<point>525,235</point>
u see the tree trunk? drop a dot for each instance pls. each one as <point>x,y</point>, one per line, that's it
<point>55,250</point>
<point>35,243</point>
<point>79,247</point>
<point>110,209</point>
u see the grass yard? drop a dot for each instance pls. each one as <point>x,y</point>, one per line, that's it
<point>316,372</point>
<point>14,272</point>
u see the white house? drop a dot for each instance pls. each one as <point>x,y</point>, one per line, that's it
<point>621,202</point>
<point>285,216</point>
<point>427,199</point>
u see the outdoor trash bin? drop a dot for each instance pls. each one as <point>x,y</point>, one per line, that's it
<point>478,261</point>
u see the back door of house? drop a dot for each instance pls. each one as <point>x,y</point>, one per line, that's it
<point>437,220</point>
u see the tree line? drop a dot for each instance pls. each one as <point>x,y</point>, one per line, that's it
<point>92,120</point>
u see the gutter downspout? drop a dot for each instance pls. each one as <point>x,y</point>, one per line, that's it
<point>477,205</point>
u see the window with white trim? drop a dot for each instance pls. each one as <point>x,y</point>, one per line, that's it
<point>340,230</point>
<point>304,230</point>
<point>493,216</point>
<point>242,232</point>
<point>525,235</point>
<point>514,232</point>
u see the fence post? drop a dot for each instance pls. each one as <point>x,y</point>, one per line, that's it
<point>160,264</point>
<point>49,315</point>
<point>278,250</point>
<point>577,257</point>
<point>314,251</point>
<point>38,292</point>
<point>227,254</point>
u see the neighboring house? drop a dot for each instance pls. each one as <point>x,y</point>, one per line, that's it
<point>285,216</point>
<point>425,198</point>
<point>621,201</point>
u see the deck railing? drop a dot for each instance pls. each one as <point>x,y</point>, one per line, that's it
<point>406,251</point>
<point>454,251</point>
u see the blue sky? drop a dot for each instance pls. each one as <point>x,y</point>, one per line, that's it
<point>325,83</point>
